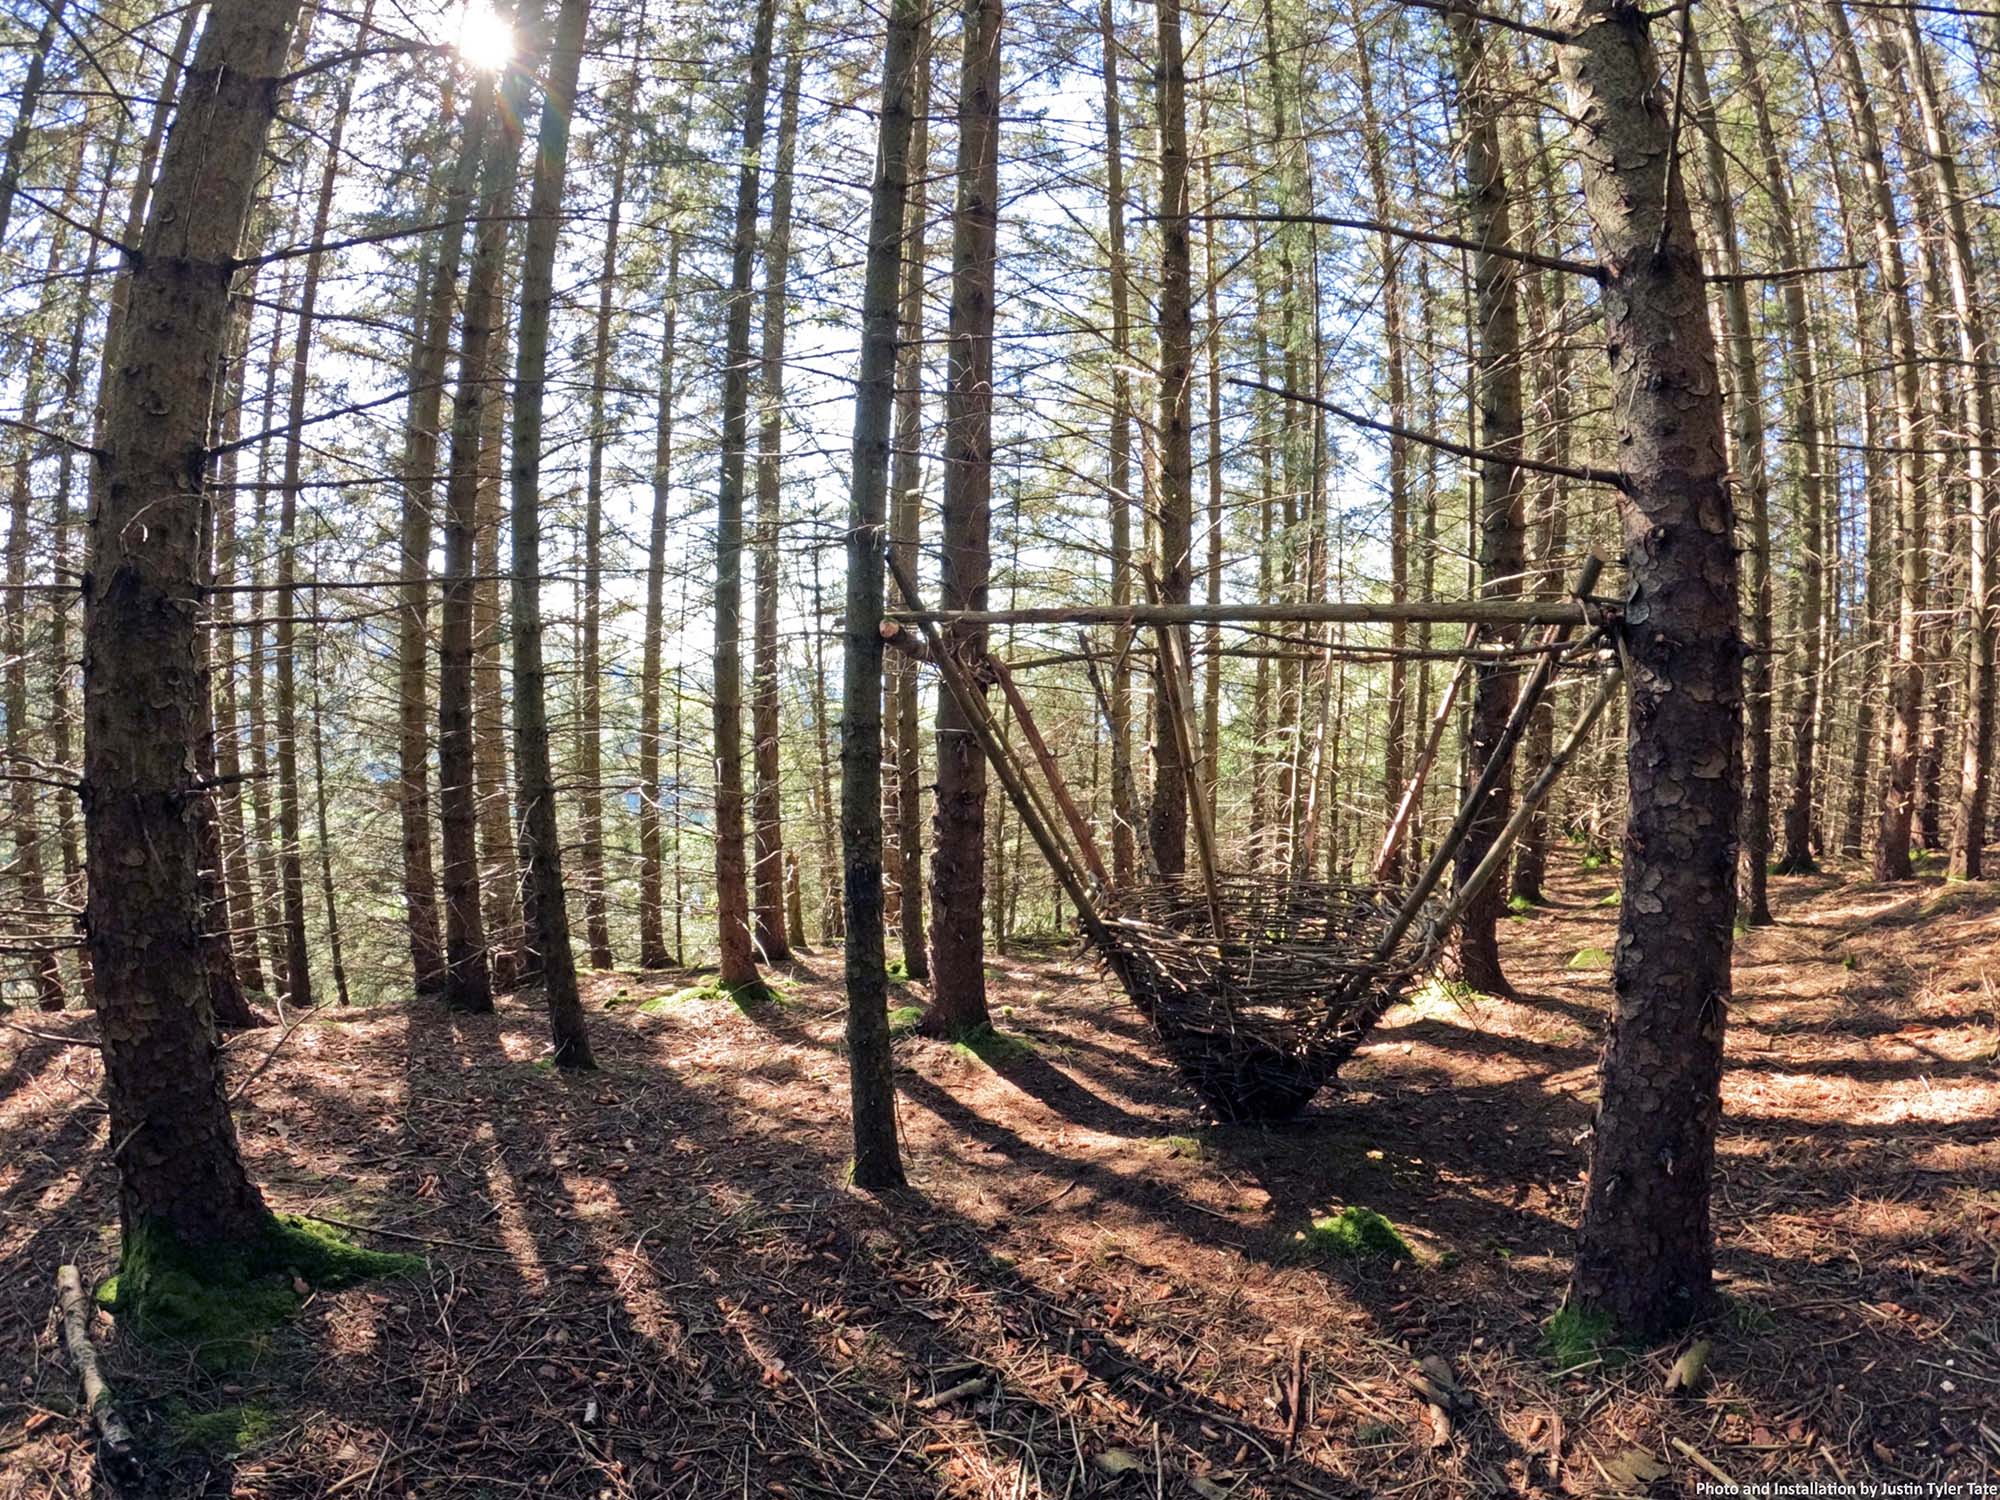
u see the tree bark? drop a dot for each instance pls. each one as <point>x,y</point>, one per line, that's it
<point>877,1157</point>
<point>468,967</point>
<point>907,514</point>
<point>958,838</point>
<point>768,809</point>
<point>1500,515</point>
<point>145,691</point>
<point>534,781</point>
<point>291,855</point>
<point>1395,374</point>
<point>590,716</point>
<point>653,952</point>
<point>1968,316</point>
<point>1802,377</point>
<point>24,111</point>
<point>732,892</point>
<point>1752,470</point>
<point>1645,1249</point>
<point>1906,669</point>
<point>1167,818</point>
<point>1118,709</point>
<point>430,350</point>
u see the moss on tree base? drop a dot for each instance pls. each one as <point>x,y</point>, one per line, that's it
<point>224,1298</point>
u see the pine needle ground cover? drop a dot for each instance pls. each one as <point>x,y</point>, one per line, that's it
<point>654,1281</point>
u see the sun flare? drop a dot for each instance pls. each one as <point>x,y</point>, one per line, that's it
<point>485,41</point>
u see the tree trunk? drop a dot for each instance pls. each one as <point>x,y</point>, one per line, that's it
<point>291,858</point>
<point>653,952</point>
<point>1645,1248</point>
<point>500,871</point>
<point>1166,823</point>
<point>1802,377</point>
<point>906,504</point>
<point>1395,372</point>
<point>732,892</point>
<point>243,912</point>
<point>877,1158</point>
<point>1124,799</point>
<point>1752,470</point>
<point>535,783</point>
<point>145,691</point>
<point>768,809</point>
<point>873,1089</point>
<point>1968,314</point>
<point>590,717</point>
<point>24,114</point>
<point>431,348</point>
<point>35,913</point>
<point>1906,672</point>
<point>958,838</point>
<point>334,953</point>
<point>468,968</point>
<point>1500,520</point>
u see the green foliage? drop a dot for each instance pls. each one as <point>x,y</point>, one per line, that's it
<point>905,1019</point>
<point>995,1048</point>
<point>1521,908</point>
<point>1590,958</point>
<point>745,997</point>
<point>224,1432</point>
<point>1574,1337</point>
<point>899,970</point>
<point>1182,1147</point>
<point>1611,900</point>
<point>1355,1234</point>
<point>223,1298</point>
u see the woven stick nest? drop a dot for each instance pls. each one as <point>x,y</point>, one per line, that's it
<point>1261,1023</point>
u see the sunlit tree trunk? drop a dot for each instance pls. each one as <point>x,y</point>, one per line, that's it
<point>590,691</point>
<point>958,840</point>
<point>469,974</point>
<point>767,795</point>
<point>872,1090</point>
<point>732,891</point>
<point>534,781</point>
<point>653,952</point>
<point>1500,520</point>
<point>145,692</point>
<point>1118,447</point>
<point>1752,471</point>
<point>1645,1250</point>
<point>906,512</point>
<point>1906,671</point>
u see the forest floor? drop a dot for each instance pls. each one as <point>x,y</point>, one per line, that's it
<point>653,1281</point>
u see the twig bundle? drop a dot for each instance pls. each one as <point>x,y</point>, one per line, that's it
<point>1260,1021</point>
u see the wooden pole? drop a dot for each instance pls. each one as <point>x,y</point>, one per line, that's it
<point>1399,825</point>
<point>1496,766</point>
<point>952,673</point>
<point>1079,826</point>
<point>1530,800</point>
<point>1574,611</point>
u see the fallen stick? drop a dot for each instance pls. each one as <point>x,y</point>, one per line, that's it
<point>117,1449</point>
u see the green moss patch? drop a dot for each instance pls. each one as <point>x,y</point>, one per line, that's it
<point>905,1019</point>
<point>1182,1147</point>
<point>1590,958</point>
<point>222,1433</point>
<point>745,997</point>
<point>1521,908</point>
<point>1574,1338</point>
<point>1354,1234</point>
<point>223,1299</point>
<point>994,1047</point>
